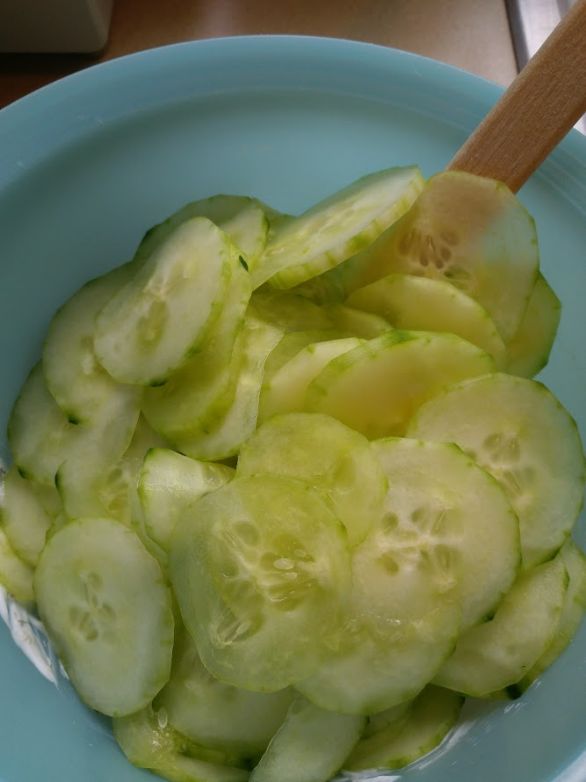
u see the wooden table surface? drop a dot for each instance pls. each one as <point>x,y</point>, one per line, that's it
<point>472,34</point>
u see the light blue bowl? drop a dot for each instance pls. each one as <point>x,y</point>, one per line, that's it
<point>89,163</point>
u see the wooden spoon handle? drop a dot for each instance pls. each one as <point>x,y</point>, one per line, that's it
<point>535,113</point>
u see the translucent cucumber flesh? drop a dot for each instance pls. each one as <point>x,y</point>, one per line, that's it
<point>289,312</point>
<point>519,432</point>
<point>25,519</point>
<point>149,742</point>
<point>427,722</point>
<point>442,506</point>
<point>423,304</point>
<point>329,456</point>
<point>79,385</point>
<point>258,566</point>
<point>499,652</point>
<point>310,746</point>
<point>356,322</point>
<point>198,394</point>
<point>338,227</point>
<point>15,575</point>
<point>41,449</point>
<point>529,349</point>
<point>169,484</point>
<point>573,611</point>
<point>150,327</point>
<point>216,714</point>
<point>467,230</point>
<point>377,387</point>
<point>225,437</point>
<point>108,612</point>
<point>243,219</point>
<point>285,391</point>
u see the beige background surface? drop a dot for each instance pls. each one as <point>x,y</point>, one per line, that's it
<point>472,34</point>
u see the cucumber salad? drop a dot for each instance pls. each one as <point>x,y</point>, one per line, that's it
<point>284,492</point>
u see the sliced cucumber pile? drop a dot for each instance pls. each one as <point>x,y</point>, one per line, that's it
<point>283,489</point>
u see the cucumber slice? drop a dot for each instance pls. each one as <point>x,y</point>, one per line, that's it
<point>108,612</point>
<point>25,520</point>
<point>310,746</point>
<point>75,379</point>
<point>326,454</point>
<point>448,509</point>
<point>41,437</point>
<point>288,311</point>
<point>497,653</point>
<point>424,304</point>
<point>224,438</point>
<point>99,486</point>
<point>429,719</point>
<point>404,615</point>
<point>169,484</point>
<point>382,720</point>
<point>219,715</point>
<point>357,323</point>
<point>198,395</point>
<point>244,219</point>
<point>337,227</point>
<point>377,387</point>
<point>260,569</point>
<point>519,432</point>
<point>157,320</point>
<point>468,230</point>
<point>573,611</point>
<point>289,346</point>
<point>15,575</point>
<point>149,742</point>
<point>529,349</point>
<point>285,391</point>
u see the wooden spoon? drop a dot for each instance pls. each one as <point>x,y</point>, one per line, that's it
<point>542,104</point>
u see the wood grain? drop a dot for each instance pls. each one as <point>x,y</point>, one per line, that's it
<point>536,112</point>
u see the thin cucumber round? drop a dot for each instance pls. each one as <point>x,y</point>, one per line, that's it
<point>337,227</point>
<point>244,219</point>
<point>216,714</point>
<point>288,312</point>
<point>76,380</point>
<point>98,485</point>
<point>222,439</point>
<point>529,349</point>
<point>15,575</point>
<point>310,746</point>
<point>356,322</point>
<point>41,437</point>
<point>404,615</point>
<point>326,454</point>
<point>285,391</point>
<point>148,741</point>
<point>496,654</point>
<point>260,569</point>
<point>169,484</point>
<point>25,519</point>
<point>377,387</point>
<point>198,394</point>
<point>428,720</point>
<point>465,229</point>
<point>424,304</point>
<point>289,346</point>
<point>152,325</point>
<point>520,433</point>
<point>573,611</point>
<point>441,505</point>
<point>108,612</point>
